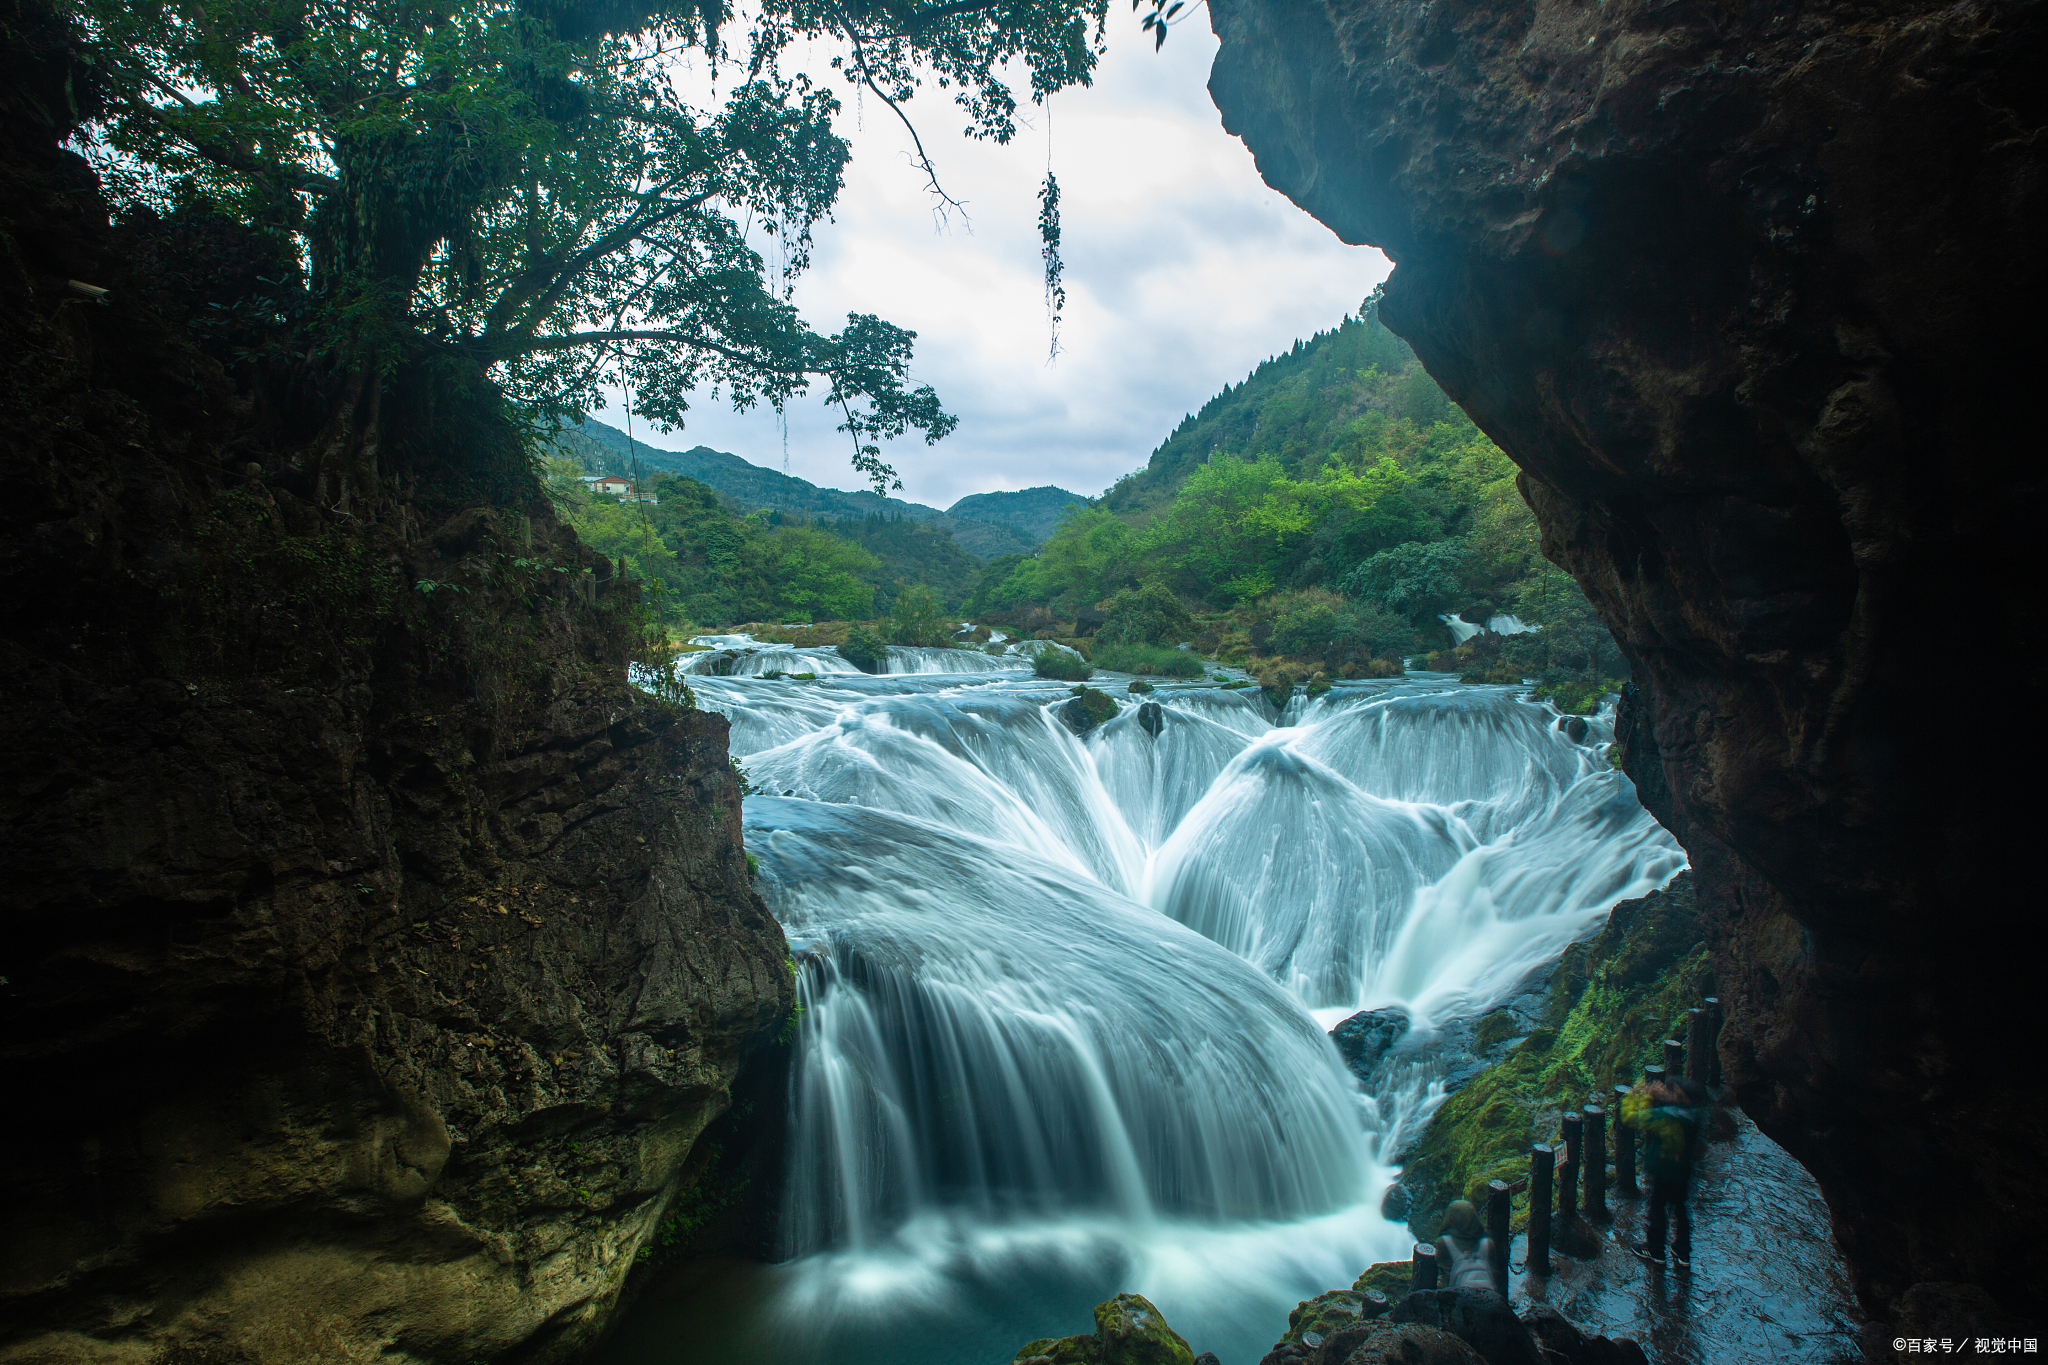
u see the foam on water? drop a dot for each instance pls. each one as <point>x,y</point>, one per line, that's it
<point>1065,998</point>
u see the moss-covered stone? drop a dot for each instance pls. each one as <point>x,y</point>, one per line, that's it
<point>1132,1332</point>
<point>1495,1029</point>
<point>1059,1351</point>
<point>1393,1279</point>
<point>1327,1314</point>
<point>1128,1331</point>
<point>1612,1001</point>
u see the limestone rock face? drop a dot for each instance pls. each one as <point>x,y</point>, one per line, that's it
<point>1751,293</point>
<point>373,954</point>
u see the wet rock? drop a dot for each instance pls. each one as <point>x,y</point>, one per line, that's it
<point>1207,1358</point>
<point>374,966</point>
<point>1479,1317</point>
<point>1315,1320</point>
<point>1563,1338</point>
<point>1394,1205</point>
<point>1574,728</point>
<point>718,663</point>
<point>1133,1332</point>
<point>1088,709</point>
<point>1387,1343</point>
<point>1386,1280</point>
<point>1152,718</point>
<point>1128,1331</point>
<point>1366,1037</point>
<point>1785,262</point>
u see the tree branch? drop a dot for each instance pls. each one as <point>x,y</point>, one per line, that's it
<point>491,350</point>
<point>924,161</point>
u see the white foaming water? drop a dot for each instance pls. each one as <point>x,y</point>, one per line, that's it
<point>1065,998</point>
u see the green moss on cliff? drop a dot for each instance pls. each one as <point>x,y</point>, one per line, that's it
<point>1613,1000</point>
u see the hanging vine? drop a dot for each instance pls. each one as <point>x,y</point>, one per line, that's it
<point>1049,248</point>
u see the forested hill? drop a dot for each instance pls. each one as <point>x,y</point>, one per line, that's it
<point>1315,398</point>
<point>1037,512</point>
<point>603,449</point>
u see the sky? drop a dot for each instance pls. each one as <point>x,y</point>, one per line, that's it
<point>1183,272</point>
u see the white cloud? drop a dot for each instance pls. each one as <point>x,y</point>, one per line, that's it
<point>1183,272</point>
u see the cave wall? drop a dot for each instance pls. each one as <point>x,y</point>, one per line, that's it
<point>1752,295</point>
<point>373,954</point>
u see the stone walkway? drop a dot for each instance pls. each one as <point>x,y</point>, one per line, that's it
<point>1767,1283</point>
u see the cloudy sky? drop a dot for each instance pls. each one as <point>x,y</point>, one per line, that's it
<point>1183,272</point>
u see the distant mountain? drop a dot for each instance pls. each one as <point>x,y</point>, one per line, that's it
<point>604,449</point>
<point>1037,512</point>
<point>1302,403</point>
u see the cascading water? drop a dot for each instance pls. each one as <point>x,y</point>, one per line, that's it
<point>1065,999</point>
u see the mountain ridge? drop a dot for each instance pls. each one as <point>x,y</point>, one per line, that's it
<point>748,486</point>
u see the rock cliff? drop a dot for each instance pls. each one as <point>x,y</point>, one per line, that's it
<point>1751,292</point>
<point>374,955</point>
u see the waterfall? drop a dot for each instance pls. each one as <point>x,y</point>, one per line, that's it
<point>1064,997</point>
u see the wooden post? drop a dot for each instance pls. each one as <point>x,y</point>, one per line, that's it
<point>1425,1267</point>
<point>1713,1004</point>
<point>1674,1058</point>
<point>1499,1227</point>
<point>1568,1174</point>
<point>1624,1150</point>
<point>1541,1160</point>
<point>1596,1163</point>
<point>1696,1045</point>
<point>1653,1075</point>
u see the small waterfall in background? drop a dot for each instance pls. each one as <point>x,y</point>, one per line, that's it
<point>1065,998</point>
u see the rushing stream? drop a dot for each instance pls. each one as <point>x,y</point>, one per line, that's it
<point>1065,998</point>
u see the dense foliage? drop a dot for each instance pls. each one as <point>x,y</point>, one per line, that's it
<point>1359,508</point>
<point>557,193</point>
<point>708,564</point>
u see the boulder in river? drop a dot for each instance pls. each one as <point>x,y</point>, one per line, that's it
<point>1574,728</point>
<point>1089,708</point>
<point>1152,718</point>
<point>1128,1331</point>
<point>1369,1035</point>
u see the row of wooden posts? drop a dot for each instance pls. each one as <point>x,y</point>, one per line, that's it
<point>1697,1058</point>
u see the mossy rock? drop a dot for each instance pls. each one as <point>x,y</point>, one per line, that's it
<point>1612,1001</point>
<point>1059,1351</point>
<point>1328,1314</point>
<point>1495,1029</point>
<point>1128,1331</point>
<point>1391,1279</point>
<point>1132,1332</point>
<point>1089,708</point>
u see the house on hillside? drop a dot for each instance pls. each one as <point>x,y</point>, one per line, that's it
<point>617,485</point>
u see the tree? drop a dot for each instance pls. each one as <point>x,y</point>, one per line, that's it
<point>522,189</point>
<point>916,620</point>
<point>1417,580</point>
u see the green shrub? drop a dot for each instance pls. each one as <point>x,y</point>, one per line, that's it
<point>1576,697</point>
<point>1418,580</point>
<point>1147,615</point>
<point>864,649</point>
<point>1061,666</point>
<point>917,620</point>
<point>1156,659</point>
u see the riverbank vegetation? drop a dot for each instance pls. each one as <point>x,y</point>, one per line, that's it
<point>1321,517</point>
<point>1612,1001</point>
